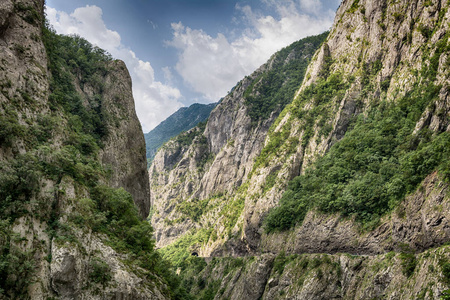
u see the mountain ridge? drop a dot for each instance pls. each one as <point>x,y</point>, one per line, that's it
<point>182,120</point>
<point>355,163</point>
<point>219,156</point>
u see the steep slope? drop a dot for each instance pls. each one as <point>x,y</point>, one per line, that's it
<point>399,139</point>
<point>192,173</point>
<point>73,181</point>
<point>182,120</point>
<point>357,163</point>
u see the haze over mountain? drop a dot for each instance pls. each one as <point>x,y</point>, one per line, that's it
<point>182,120</point>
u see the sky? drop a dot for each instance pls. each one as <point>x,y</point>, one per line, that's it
<point>181,52</point>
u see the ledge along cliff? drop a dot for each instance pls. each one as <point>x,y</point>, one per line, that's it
<point>73,177</point>
<point>338,190</point>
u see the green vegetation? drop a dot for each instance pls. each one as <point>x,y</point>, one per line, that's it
<point>10,127</point>
<point>19,181</point>
<point>445,295</point>
<point>408,260</point>
<point>201,287</point>
<point>28,13</point>
<point>16,266</point>
<point>198,279</point>
<point>78,123</point>
<point>182,120</point>
<point>378,162</point>
<point>354,7</point>
<point>372,168</point>
<point>108,211</point>
<point>180,250</point>
<point>186,138</point>
<point>445,267</point>
<point>276,88</point>
<point>282,260</point>
<point>193,209</point>
<point>69,55</point>
<point>100,272</point>
<point>323,93</point>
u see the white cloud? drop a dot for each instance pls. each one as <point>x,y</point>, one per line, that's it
<point>154,100</point>
<point>168,76</point>
<point>212,65</point>
<point>312,6</point>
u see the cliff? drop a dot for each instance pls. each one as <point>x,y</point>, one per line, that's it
<point>354,75</point>
<point>322,276</point>
<point>211,162</point>
<point>355,163</point>
<point>72,169</point>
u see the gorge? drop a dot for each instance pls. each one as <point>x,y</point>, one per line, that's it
<point>322,175</point>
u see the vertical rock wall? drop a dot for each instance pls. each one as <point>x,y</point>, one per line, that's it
<point>48,266</point>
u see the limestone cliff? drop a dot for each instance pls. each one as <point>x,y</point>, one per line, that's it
<point>69,137</point>
<point>375,52</point>
<point>367,74</point>
<point>215,160</point>
<point>123,147</point>
<point>323,276</point>
<point>381,78</point>
<point>380,48</point>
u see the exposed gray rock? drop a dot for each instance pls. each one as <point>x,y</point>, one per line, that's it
<point>219,160</point>
<point>421,222</point>
<point>357,36</point>
<point>179,173</point>
<point>124,148</point>
<point>60,269</point>
<point>6,10</point>
<point>324,276</point>
<point>393,36</point>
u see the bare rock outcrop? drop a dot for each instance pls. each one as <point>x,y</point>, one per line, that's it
<point>44,264</point>
<point>420,222</point>
<point>367,34</point>
<point>377,50</point>
<point>217,159</point>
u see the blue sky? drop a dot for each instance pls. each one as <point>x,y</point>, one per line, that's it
<point>180,52</point>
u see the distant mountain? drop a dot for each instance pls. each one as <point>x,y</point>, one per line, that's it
<point>182,120</point>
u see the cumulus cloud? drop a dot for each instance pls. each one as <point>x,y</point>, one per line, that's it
<point>154,100</point>
<point>311,6</point>
<point>212,65</point>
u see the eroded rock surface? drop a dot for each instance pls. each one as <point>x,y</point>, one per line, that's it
<point>44,263</point>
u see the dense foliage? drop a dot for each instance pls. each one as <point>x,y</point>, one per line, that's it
<point>78,124</point>
<point>70,59</point>
<point>372,168</point>
<point>276,88</point>
<point>109,211</point>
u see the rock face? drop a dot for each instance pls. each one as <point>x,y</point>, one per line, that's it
<point>360,36</point>
<point>44,254</point>
<point>252,164</point>
<point>212,161</point>
<point>421,222</point>
<point>324,276</point>
<point>377,52</point>
<point>220,157</point>
<point>124,147</point>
